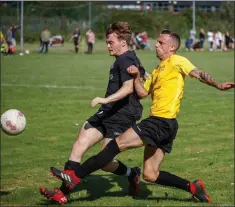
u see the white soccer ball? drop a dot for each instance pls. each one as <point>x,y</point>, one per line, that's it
<point>13,122</point>
<point>27,52</point>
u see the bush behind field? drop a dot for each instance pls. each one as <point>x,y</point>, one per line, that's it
<point>63,17</point>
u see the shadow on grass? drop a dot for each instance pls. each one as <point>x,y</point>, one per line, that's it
<point>98,186</point>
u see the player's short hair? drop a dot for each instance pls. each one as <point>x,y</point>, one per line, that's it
<point>175,37</point>
<point>122,29</point>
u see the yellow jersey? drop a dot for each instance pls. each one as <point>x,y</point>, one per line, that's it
<point>1,35</point>
<point>166,86</point>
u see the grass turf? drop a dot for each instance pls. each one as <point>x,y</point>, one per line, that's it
<point>54,91</point>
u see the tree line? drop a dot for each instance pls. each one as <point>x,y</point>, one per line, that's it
<point>62,17</point>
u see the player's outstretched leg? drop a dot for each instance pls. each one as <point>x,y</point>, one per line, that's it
<point>55,195</point>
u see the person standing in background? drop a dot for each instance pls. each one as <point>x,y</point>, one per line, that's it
<point>228,41</point>
<point>219,40</point>
<point>45,37</point>
<point>76,39</point>
<point>9,36</point>
<point>210,40</point>
<point>192,37</point>
<point>90,40</point>
<point>13,30</point>
<point>202,38</point>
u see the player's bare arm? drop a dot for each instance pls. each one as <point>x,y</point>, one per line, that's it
<point>138,82</point>
<point>206,78</point>
<point>124,91</point>
<point>146,76</point>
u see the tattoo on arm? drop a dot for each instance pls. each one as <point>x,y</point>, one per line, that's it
<point>204,77</point>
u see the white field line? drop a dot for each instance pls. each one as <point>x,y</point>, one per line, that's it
<point>52,86</point>
<point>97,88</point>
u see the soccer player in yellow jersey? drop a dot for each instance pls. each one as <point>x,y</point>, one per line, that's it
<point>3,43</point>
<point>158,131</point>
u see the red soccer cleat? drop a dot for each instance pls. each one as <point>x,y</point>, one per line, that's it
<point>54,194</point>
<point>200,192</point>
<point>134,183</point>
<point>67,176</point>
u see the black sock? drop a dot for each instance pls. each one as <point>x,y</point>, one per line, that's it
<point>100,160</point>
<point>76,50</point>
<point>73,165</point>
<point>168,179</point>
<point>121,170</point>
<point>69,165</point>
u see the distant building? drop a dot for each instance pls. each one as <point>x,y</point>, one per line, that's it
<point>174,6</point>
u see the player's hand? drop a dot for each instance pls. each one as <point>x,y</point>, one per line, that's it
<point>226,86</point>
<point>98,100</point>
<point>133,70</point>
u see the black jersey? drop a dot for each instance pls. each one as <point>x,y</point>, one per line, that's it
<point>76,35</point>
<point>130,105</point>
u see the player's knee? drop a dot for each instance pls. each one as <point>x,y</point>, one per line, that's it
<point>150,176</point>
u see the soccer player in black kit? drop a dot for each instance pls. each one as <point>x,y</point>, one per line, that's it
<point>76,39</point>
<point>120,109</point>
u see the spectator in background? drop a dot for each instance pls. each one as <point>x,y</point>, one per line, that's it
<point>202,38</point>
<point>45,37</point>
<point>231,45</point>
<point>197,45</point>
<point>145,43</point>
<point>13,30</point>
<point>228,41</point>
<point>9,36</point>
<point>192,37</point>
<point>90,40</point>
<point>210,39</point>
<point>76,39</point>
<point>187,44</point>
<point>218,40</point>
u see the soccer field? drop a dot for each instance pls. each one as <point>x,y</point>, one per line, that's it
<point>54,92</point>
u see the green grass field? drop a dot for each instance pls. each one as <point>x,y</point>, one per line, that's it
<point>54,92</point>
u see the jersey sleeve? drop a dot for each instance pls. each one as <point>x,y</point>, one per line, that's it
<point>123,64</point>
<point>185,66</point>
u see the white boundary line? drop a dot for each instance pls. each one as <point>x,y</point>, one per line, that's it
<point>97,88</point>
<point>52,86</point>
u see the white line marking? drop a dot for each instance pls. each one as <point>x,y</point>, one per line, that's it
<point>97,88</point>
<point>52,86</point>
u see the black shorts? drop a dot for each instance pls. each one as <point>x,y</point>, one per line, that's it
<point>75,42</point>
<point>113,126</point>
<point>157,131</point>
